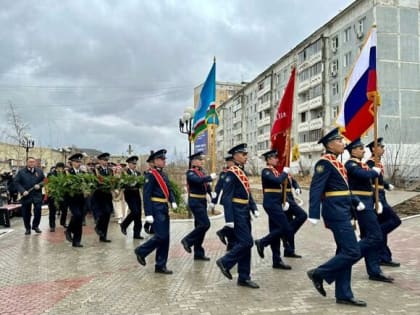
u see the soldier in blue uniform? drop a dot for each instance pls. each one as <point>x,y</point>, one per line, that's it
<point>238,204</point>
<point>102,200</point>
<point>278,223</point>
<point>148,228</point>
<point>296,216</point>
<point>76,205</point>
<point>157,193</point>
<point>388,219</point>
<point>198,188</point>
<point>329,189</point>
<point>225,234</point>
<point>29,181</point>
<point>133,200</point>
<point>360,183</point>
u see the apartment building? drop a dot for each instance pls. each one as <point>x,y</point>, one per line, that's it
<point>323,61</point>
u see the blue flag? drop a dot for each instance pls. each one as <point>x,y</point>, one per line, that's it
<point>204,110</point>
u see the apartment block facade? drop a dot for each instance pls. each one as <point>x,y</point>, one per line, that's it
<point>323,61</point>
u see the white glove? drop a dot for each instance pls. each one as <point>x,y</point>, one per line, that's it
<point>37,187</point>
<point>361,206</point>
<point>211,206</point>
<point>390,187</point>
<point>213,175</point>
<point>25,193</point>
<point>286,206</point>
<point>298,191</point>
<point>377,169</point>
<point>313,221</point>
<point>256,214</point>
<point>213,195</point>
<point>286,170</point>
<point>149,219</point>
<point>174,205</point>
<point>230,224</point>
<point>380,208</point>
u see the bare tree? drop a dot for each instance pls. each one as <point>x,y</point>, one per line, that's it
<point>17,127</point>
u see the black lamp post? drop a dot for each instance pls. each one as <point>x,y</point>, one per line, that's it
<point>28,143</point>
<point>185,127</point>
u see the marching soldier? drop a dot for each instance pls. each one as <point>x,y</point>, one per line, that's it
<point>29,181</point>
<point>148,228</point>
<point>238,203</point>
<point>76,204</point>
<point>133,199</point>
<point>157,193</point>
<point>225,234</point>
<point>329,189</point>
<point>102,200</point>
<point>272,202</point>
<point>360,182</point>
<point>198,188</point>
<point>295,215</point>
<point>388,219</point>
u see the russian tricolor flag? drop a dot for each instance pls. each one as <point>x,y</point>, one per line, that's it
<point>357,113</point>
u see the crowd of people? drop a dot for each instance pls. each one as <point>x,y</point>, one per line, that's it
<point>338,192</point>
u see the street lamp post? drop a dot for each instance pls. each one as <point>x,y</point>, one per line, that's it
<point>28,143</point>
<point>185,127</point>
<point>65,151</point>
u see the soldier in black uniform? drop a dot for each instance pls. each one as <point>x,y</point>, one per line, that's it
<point>360,183</point>
<point>76,204</point>
<point>198,188</point>
<point>29,181</point>
<point>58,170</point>
<point>148,227</point>
<point>278,223</point>
<point>102,200</point>
<point>225,234</point>
<point>133,200</point>
<point>238,204</point>
<point>388,219</point>
<point>157,194</point>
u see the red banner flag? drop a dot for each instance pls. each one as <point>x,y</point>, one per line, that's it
<point>283,122</point>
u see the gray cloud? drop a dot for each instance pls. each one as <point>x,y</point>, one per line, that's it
<point>105,74</point>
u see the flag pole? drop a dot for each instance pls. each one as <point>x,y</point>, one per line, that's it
<point>287,164</point>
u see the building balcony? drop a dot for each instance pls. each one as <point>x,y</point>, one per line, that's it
<point>316,147</point>
<point>304,126</point>
<point>236,132</point>
<point>263,137</point>
<point>303,86</point>
<point>237,119</point>
<point>305,147</point>
<point>263,106</point>
<point>263,122</point>
<point>303,107</point>
<point>315,58</point>
<point>315,102</point>
<point>315,124</point>
<point>303,66</point>
<point>315,80</point>
<point>266,89</point>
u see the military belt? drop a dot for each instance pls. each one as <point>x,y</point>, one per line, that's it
<point>157,199</point>
<point>362,193</point>
<point>197,196</point>
<point>272,190</point>
<point>241,201</point>
<point>337,193</point>
<point>379,186</point>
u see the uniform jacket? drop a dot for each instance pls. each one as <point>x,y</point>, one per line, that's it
<point>272,179</point>
<point>198,182</point>
<point>152,189</point>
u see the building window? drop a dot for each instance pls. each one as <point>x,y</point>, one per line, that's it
<point>334,43</point>
<point>334,112</point>
<point>347,34</point>
<point>303,117</point>
<point>347,59</point>
<point>335,90</point>
<point>360,28</point>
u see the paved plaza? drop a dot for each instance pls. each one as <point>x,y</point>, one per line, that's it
<point>44,274</point>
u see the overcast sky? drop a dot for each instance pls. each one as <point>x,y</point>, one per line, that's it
<point>106,74</point>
